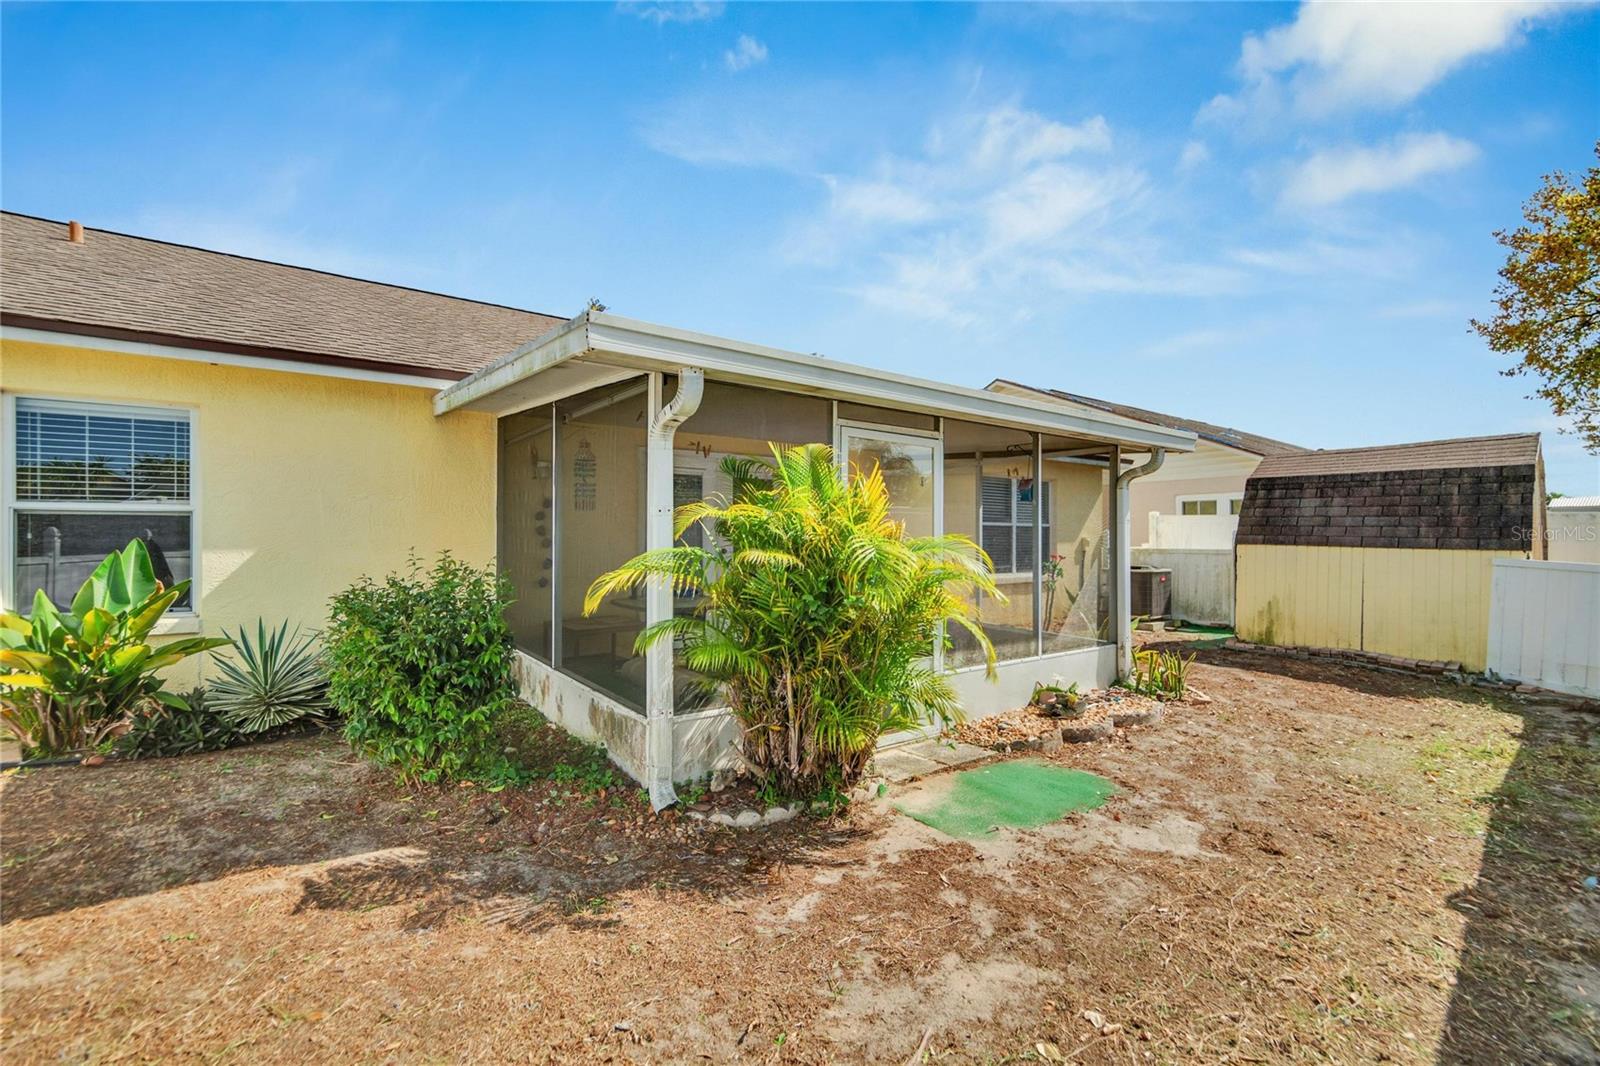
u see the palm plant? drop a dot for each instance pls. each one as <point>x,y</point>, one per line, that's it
<point>817,614</point>
<point>71,679</point>
<point>279,678</point>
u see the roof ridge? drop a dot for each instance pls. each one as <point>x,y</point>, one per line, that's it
<point>289,266</point>
<point>1227,436</point>
<point>1421,443</point>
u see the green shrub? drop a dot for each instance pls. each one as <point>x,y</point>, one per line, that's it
<point>817,618</point>
<point>420,665</point>
<point>159,730</point>
<point>72,679</point>
<point>278,679</point>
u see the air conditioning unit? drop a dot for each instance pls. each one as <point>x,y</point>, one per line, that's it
<point>1151,592</point>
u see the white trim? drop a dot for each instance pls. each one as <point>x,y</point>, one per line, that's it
<point>205,355</point>
<point>613,341</point>
<point>178,619</point>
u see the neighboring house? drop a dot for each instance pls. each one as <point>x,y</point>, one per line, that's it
<point>276,433</point>
<point>1574,529</point>
<point>1207,483</point>
<point>1387,549</point>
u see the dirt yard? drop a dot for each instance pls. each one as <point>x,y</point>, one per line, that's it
<point>1324,864</point>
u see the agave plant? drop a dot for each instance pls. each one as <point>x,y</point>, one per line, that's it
<point>73,678</point>
<point>279,678</point>
<point>817,614</point>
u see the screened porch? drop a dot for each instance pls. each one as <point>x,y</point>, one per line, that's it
<point>606,425</point>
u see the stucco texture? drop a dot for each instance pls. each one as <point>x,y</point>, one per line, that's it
<point>303,482</point>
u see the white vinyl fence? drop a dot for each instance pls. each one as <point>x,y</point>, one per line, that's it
<point>1544,624</point>
<point>1191,530</point>
<point>1202,581</point>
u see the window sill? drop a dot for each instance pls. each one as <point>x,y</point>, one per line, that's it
<point>177,625</point>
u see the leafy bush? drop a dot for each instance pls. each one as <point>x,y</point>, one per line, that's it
<point>420,665</point>
<point>74,678</point>
<point>817,617</point>
<point>277,680</point>
<point>160,730</point>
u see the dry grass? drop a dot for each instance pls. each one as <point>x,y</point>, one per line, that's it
<point>1323,865</point>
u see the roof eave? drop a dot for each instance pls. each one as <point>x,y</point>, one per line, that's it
<point>623,344</point>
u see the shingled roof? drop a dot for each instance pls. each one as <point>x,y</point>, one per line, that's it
<point>1474,493</point>
<point>1253,443</point>
<point>133,288</point>
<point>1509,450</point>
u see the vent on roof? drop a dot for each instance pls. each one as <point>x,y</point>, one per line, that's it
<point>75,231</point>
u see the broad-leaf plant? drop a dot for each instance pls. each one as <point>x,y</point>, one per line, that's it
<point>71,679</point>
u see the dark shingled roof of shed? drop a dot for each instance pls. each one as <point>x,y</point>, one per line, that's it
<point>1510,449</point>
<point>1475,493</point>
<point>133,288</point>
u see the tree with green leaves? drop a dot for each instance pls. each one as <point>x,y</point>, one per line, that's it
<point>1548,300</point>
<point>817,614</point>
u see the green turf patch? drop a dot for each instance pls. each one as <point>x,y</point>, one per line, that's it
<point>1020,793</point>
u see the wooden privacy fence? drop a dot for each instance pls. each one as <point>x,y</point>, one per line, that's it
<point>1544,624</point>
<point>1430,605</point>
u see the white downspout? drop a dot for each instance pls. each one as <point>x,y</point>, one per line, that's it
<point>1124,555</point>
<point>658,594</point>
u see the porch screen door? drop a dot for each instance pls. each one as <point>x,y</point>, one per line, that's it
<point>911,470</point>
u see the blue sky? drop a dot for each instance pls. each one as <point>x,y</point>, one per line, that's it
<point>1269,216</point>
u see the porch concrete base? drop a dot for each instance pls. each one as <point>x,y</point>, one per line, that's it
<point>584,712</point>
<point>705,741</point>
<point>907,762</point>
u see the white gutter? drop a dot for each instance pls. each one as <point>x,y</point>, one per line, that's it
<point>1124,598</point>
<point>658,595</point>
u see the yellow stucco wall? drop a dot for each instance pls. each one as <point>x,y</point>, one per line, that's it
<point>1419,604</point>
<point>304,482</point>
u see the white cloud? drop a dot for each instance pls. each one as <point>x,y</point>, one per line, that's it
<point>1000,207</point>
<point>747,52</point>
<point>1334,175</point>
<point>664,12</point>
<point>702,132</point>
<point>1195,154</point>
<point>1335,56</point>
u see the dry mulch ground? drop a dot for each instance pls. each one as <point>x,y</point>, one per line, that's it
<point>1323,864</point>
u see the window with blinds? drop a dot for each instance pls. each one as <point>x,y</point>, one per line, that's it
<point>86,479</point>
<point>100,453</point>
<point>1006,517</point>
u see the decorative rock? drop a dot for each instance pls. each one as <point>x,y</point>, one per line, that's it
<point>1144,716</point>
<point>1050,742</point>
<point>775,815</point>
<point>747,820</point>
<point>1083,734</point>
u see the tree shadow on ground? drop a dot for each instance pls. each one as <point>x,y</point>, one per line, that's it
<point>524,857</point>
<point>1527,985</point>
